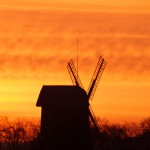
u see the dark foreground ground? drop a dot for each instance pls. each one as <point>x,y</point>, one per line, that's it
<point>23,134</point>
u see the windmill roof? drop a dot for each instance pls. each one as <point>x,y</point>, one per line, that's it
<point>51,95</point>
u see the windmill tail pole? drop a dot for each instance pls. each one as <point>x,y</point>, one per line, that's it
<point>93,118</point>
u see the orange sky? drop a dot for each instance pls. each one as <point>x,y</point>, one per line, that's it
<point>37,39</point>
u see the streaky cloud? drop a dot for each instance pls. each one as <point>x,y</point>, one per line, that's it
<point>32,41</point>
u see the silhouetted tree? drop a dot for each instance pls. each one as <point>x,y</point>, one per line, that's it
<point>18,134</point>
<point>23,134</point>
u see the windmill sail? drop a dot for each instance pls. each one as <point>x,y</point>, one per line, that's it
<point>93,84</point>
<point>96,77</point>
<point>74,74</point>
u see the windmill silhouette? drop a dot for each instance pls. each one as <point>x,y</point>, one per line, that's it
<point>65,112</point>
<point>92,86</point>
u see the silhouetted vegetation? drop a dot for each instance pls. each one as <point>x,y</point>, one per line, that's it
<point>23,134</point>
<point>19,134</point>
<point>127,136</point>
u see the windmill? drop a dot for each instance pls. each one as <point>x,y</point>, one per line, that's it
<point>65,112</point>
<point>92,86</point>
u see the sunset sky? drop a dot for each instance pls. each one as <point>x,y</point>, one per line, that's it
<point>38,38</point>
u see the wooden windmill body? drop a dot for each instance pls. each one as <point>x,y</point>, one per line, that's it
<point>66,111</point>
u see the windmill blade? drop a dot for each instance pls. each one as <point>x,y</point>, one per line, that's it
<point>96,77</point>
<point>93,84</point>
<point>93,119</point>
<point>74,74</point>
<point>76,81</point>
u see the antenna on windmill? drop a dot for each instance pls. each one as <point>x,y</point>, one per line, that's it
<point>77,55</point>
